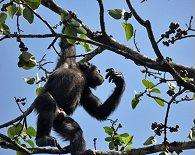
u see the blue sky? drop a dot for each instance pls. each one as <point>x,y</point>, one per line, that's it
<point>136,122</point>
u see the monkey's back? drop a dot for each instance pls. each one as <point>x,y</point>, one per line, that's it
<point>66,85</point>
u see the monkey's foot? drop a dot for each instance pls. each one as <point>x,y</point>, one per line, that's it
<point>46,141</point>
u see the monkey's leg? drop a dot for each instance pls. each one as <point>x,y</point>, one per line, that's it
<point>45,107</point>
<point>69,129</point>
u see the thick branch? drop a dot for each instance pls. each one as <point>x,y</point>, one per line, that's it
<point>128,53</point>
<point>174,146</point>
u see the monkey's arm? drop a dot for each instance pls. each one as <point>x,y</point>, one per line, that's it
<point>92,104</point>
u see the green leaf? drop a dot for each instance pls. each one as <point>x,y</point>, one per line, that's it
<point>135,102</point>
<point>86,46</point>
<point>108,139</point>
<point>116,13</point>
<point>108,130</point>
<point>69,31</point>
<point>26,60</point>
<point>160,101</point>
<point>4,29</point>
<point>155,90</point>
<point>29,80</point>
<point>151,140</point>
<point>148,84</point>
<point>31,143</point>
<point>111,145</point>
<point>64,15</point>
<point>128,148</point>
<point>14,130</point>
<point>3,17</point>
<point>40,90</point>
<point>128,28</point>
<point>124,135</point>
<point>81,30</point>
<point>19,11</point>
<point>191,135</point>
<point>28,15</point>
<point>31,131</point>
<point>126,138</point>
<point>74,23</point>
<point>34,4</point>
<point>12,10</point>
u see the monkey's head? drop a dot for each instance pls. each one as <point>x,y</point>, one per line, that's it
<point>92,74</point>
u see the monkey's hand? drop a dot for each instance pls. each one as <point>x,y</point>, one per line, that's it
<point>115,77</point>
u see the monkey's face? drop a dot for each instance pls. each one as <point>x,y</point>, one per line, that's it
<point>95,78</point>
<point>92,75</point>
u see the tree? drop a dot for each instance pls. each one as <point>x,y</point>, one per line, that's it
<point>165,76</point>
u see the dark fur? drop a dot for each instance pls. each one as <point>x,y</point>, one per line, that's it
<point>68,87</point>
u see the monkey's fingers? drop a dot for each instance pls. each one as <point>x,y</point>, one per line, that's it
<point>110,72</point>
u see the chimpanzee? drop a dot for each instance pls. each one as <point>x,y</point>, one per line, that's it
<point>68,87</point>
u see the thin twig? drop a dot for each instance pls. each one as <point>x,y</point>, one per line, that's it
<point>148,27</point>
<point>167,112</point>
<point>102,22</point>
<point>38,16</point>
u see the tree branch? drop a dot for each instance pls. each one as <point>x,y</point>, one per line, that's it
<point>102,23</point>
<point>174,146</point>
<point>108,43</point>
<point>148,27</point>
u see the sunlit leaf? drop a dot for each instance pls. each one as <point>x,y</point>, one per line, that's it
<point>81,30</point>
<point>155,90</point>
<point>128,28</point>
<point>31,143</point>
<point>31,131</point>
<point>85,45</point>
<point>160,101</point>
<point>14,130</point>
<point>148,84</point>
